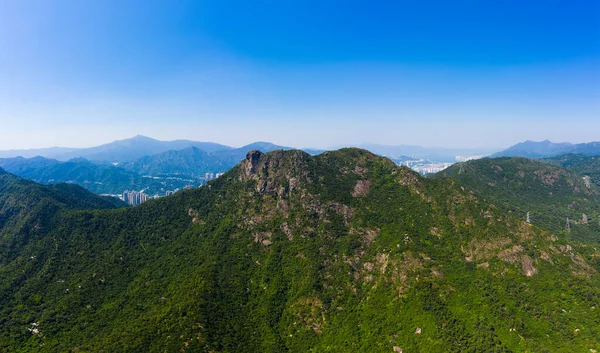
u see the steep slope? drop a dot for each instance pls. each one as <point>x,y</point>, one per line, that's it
<point>581,164</point>
<point>69,196</point>
<point>342,252</point>
<point>26,208</point>
<point>194,162</point>
<point>549,193</point>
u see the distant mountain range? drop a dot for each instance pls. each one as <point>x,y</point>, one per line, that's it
<point>117,151</point>
<point>155,174</point>
<point>131,149</point>
<point>546,148</point>
<point>193,161</point>
<point>143,163</point>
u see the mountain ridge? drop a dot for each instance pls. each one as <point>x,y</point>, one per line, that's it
<point>546,148</point>
<point>344,251</point>
<point>116,151</point>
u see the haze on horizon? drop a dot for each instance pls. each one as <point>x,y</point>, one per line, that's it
<point>302,74</point>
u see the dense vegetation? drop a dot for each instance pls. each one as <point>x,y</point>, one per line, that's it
<point>342,252</point>
<point>549,194</point>
<point>27,209</point>
<point>580,164</point>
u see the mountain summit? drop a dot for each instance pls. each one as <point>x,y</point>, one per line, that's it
<point>343,251</point>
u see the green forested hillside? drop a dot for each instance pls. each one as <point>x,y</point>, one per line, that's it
<point>27,210</point>
<point>549,193</point>
<point>580,164</point>
<point>342,252</point>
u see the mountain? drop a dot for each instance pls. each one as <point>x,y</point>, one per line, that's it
<point>170,170</point>
<point>16,192</point>
<point>313,151</point>
<point>581,164</point>
<point>194,162</point>
<point>546,148</point>
<point>23,202</point>
<point>136,147</point>
<point>589,149</point>
<point>341,252</point>
<point>549,194</point>
<point>191,161</point>
<point>46,152</point>
<point>101,179</point>
<point>119,151</point>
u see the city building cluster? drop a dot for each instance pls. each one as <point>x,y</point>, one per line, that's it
<point>211,176</point>
<point>430,168</point>
<point>423,166</point>
<point>134,198</point>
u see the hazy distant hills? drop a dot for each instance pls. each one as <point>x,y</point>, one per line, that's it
<point>546,148</point>
<point>117,151</point>
<point>194,161</point>
<point>50,152</point>
<point>131,149</point>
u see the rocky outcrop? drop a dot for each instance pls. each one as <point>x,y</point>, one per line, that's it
<point>361,188</point>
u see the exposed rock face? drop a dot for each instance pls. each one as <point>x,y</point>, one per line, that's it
<point>277,172</point>
<point>361,188</point>
<point>527,266</point>
<point>287,231</point>
<point>263,238</point>
<point>548,177</point>
<point>252,159</point>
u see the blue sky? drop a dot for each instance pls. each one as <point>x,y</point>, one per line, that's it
<point>299,73</point>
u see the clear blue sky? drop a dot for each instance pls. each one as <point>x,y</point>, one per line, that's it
<point>300,73</point>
